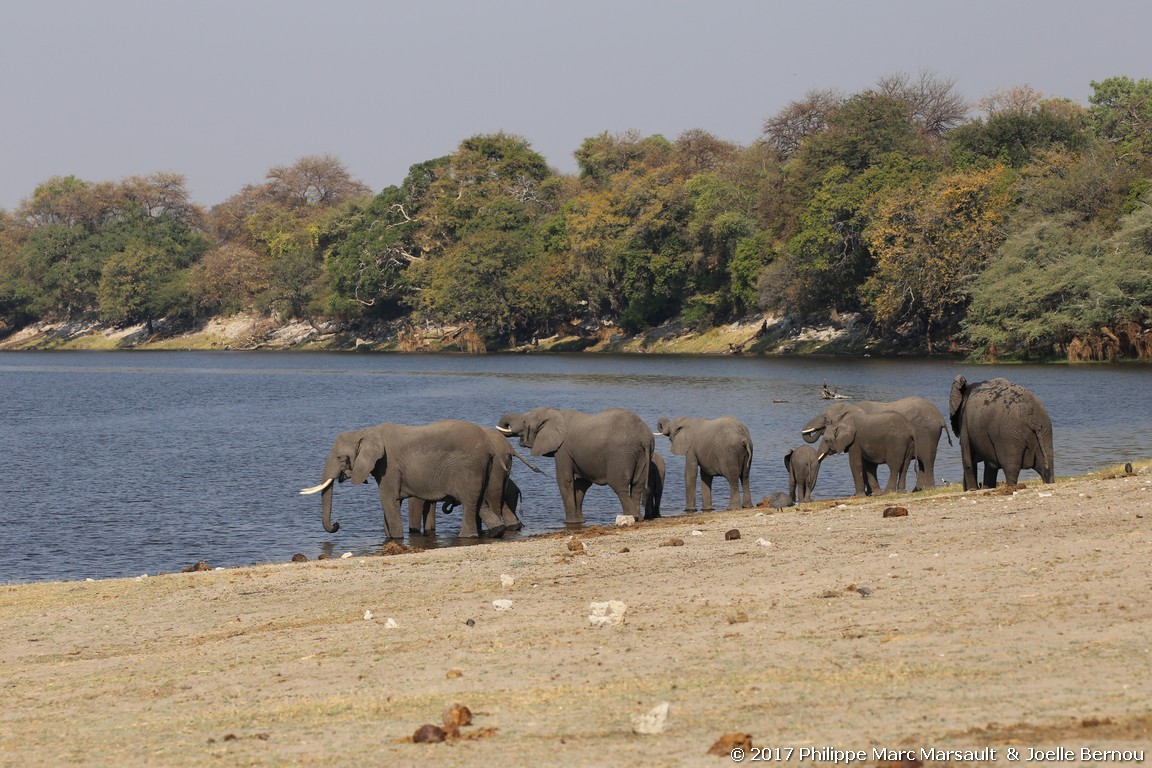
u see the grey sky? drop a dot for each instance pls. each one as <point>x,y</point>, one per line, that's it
<point>222,90</point>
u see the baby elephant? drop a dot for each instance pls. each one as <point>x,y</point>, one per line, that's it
<point>803,465</point>
<point>711,447</point>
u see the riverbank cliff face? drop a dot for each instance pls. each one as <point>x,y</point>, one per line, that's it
<point>841,334</point>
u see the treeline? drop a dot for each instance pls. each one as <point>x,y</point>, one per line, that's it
<point>1025,232</point>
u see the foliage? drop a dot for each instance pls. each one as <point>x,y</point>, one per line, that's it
<point>930,240</point>
<point>1051,291</point>
<point>1026,227</point>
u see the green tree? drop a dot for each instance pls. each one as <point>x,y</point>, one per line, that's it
<point>1122,112</point>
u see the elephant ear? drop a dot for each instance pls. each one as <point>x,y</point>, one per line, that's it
<point>843,434</point>
<point>369,452</point>
<point>680,442</point>
<point>956,400</point>
<point>551,431</point>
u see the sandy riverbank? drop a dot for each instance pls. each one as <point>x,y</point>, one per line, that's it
<point>978,620</point>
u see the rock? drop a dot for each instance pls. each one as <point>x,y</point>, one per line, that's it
<point>471,622</point>
<point>502,605</point>
<point>653,721</point>
<point>367,615</point>
<point>623,521</point>
<point>200,566</point>
<point>780,500</point>
<point>864,591</point>
<point>391,624</point>
<point>346,555</point>
<point>607,614</point>
<point>299,557</point>
<point>428,733</point>
<point>672,543</point>
<point>575,545</point>
<point>506,580</point>
<point>454,673</point>
<point>763,542</point>
<point>732,535</point>
<point>895,512</point>
<point>724,745</point>
<point>457,715</point>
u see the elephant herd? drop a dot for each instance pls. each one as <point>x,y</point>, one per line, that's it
<point>998,423</point>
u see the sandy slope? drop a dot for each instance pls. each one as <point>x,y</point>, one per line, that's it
<point>991,620</point>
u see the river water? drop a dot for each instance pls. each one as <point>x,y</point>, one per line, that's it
<point>122,464</point>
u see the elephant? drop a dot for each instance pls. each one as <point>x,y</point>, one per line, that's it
<point>926,421</point>
<point>803,465</point>
<point>613,447</point>
<point>422,513</point>
<point>711,447</point>
<point>871,439</point>
<point>1003,425</point>
<point>445,460</point>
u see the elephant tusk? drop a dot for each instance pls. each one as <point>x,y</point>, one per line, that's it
<point>317,488</point>
<point>504,431</point>
<point>821,456</point>
<point>809,431</point>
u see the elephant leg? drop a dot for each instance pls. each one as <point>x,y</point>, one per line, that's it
<point>418,514</point>
<point>509,505</point>
<point>706,490</point>
<point>733,492</point>
<point>580,488</point>
<point>691,470</point>
<point>1011,474</point>
<point>566,481</point>
<point>990,470</point>
<point>927,444</point>
<point>966,459</point>
<point>856,464</point>
<point>791,488</point>
<point>746,495</point>
<point>390,504</point>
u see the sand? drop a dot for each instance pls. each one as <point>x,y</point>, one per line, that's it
<point>978,621</point>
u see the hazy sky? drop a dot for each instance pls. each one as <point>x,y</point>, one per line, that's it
<point>222,90</point>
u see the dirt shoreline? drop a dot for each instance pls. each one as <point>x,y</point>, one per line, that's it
<point>982,620</point>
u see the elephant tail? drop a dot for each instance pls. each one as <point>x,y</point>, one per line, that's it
<point>528,464</point>
<point>947,434</point>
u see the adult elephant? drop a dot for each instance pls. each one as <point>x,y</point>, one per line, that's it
<point>803,465</point>
<point>711,447</point>
<point>445,460</point>
<point>1004,426</point>
<point>925,418</point>
<point>613,447</point>
<point>872,439</point>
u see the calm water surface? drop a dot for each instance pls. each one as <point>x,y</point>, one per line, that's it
<point>121,464</point>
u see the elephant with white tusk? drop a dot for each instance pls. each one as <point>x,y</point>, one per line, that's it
<point>872,439</point>
<point>925,418</point>
<point>445,460</point>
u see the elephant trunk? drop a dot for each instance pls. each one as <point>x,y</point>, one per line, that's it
<point>326,510</point>
<point>812,434</point>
